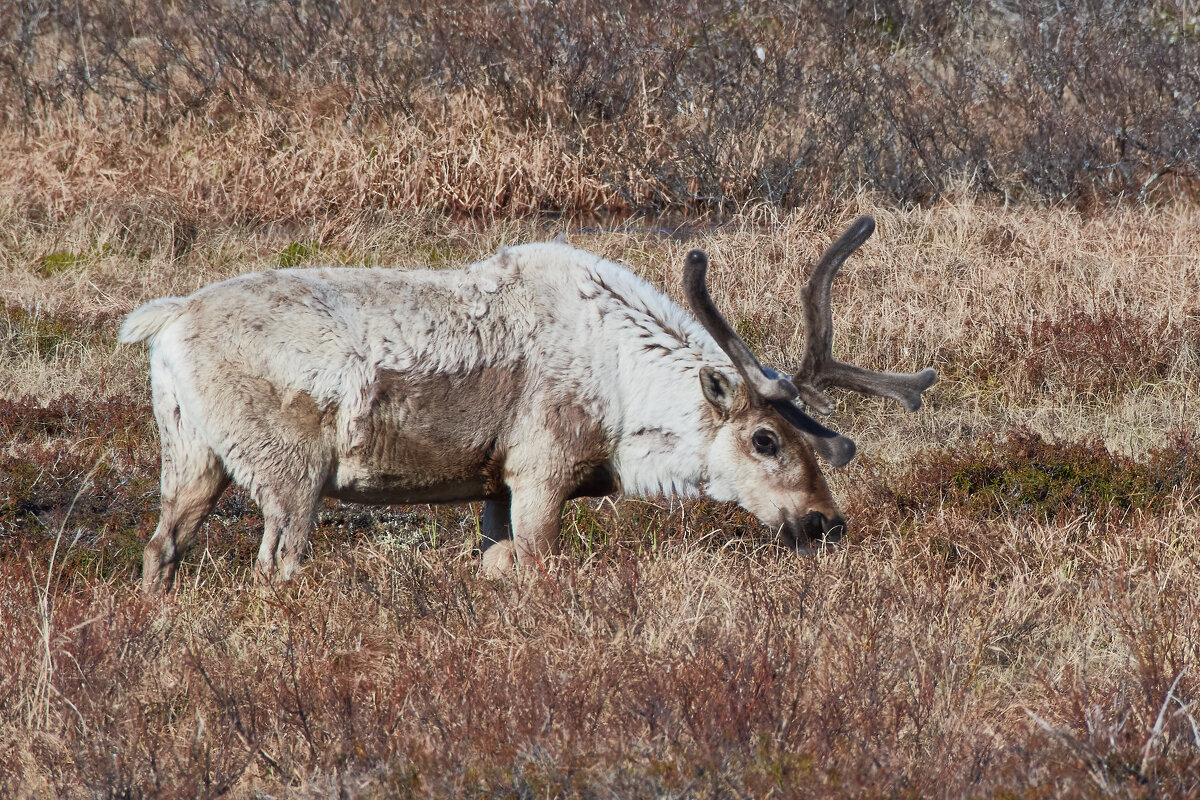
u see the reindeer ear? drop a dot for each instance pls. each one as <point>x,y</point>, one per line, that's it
<point>720,392</point>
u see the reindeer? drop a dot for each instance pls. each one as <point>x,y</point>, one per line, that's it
<point>539,375</point>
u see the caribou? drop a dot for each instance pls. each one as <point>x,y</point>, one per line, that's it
<point>541,374</point>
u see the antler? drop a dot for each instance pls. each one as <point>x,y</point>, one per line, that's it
<point>771,387</point>
<point>818,368</point>
<point>765,385</point>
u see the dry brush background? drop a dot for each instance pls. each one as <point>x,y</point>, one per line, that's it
<point>1017,610</point>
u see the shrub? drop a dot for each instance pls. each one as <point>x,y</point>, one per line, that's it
<point>699,106</point>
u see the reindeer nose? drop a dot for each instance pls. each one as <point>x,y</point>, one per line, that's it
<point>819,528</point>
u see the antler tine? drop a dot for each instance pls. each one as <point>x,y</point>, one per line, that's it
<point>829,445</point>
<point>818,368</point>
<point>772,388</point>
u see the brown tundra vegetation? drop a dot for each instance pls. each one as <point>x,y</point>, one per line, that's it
<point>1015,608</point>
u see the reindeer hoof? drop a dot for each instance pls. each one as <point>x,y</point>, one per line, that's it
<point>499,559</point>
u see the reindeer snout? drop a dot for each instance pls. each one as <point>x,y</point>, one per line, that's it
<point>816,528</point>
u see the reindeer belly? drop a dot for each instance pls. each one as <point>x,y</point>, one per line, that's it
<point>395,468</point>
<point>429,438</point>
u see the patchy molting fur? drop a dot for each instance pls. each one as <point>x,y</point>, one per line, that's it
<point>543,365</point>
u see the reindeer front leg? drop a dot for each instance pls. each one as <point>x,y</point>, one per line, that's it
<point>496,543</point>
<point>534,519</point>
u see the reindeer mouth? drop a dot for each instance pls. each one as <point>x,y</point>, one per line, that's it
<point>808,533</point>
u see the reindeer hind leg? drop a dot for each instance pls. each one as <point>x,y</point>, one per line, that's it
<point>192,482</point>
<point>287,527</point>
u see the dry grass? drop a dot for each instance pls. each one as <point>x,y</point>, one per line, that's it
<point>1012,615</point>
<point>1039,664</point>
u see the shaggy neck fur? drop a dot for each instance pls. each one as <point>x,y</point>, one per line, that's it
<point>662,425</point>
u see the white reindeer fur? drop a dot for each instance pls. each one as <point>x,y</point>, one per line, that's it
<point>593,345</point>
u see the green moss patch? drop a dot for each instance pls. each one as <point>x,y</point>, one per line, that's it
<point>1026,476</point>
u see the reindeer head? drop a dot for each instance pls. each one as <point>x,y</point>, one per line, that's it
<point>764,452</point>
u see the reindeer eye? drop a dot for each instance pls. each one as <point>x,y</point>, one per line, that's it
<point>766,442</point>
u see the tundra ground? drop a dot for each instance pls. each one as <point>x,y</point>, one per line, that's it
<point>1016,613</point>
